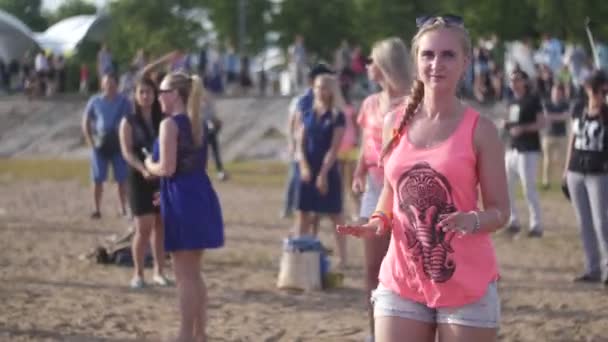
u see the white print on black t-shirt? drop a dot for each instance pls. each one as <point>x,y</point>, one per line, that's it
<point>514,113</point>
<point>588,135</point>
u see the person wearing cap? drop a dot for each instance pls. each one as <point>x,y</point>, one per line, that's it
<point>523,154</point>
<point>300,103</point>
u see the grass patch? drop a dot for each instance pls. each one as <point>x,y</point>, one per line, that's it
<point>267,173</point>
<point>45,169</point>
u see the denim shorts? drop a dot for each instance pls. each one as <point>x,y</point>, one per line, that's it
<point>485,313</point>
<point>100,164</point>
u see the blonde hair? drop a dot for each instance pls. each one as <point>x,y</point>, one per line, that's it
<point>391,56</point>
<point>337,102</point>
<point>191,91</point>
<point>417,92</point>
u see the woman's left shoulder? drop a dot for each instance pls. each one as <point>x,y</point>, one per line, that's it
<point>168,123</point>
<point>485,125</point>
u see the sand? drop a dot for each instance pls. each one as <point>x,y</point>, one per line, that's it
<point>48,294</point>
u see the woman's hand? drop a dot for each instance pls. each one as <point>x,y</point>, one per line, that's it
<point>373,228</point>
<point>516,131</point>
<point>156,199</point>
<point>459,222</point>
<point>305,175</point>
<point>322,184</point>
<point>147,175</point>
<point>148,162</point>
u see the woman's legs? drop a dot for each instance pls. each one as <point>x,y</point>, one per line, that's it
<point>374,251</point>
<point>598,199</point>
<point>192,295</point>
<point>579,198</point>
<point>143,226</point>
<point>303,223</point>
<point>397,329</point>
<point>338,219</point>
<point>347,169</point>
<point>460,333</point>
<point>157,240</point>
<point>200,321</point>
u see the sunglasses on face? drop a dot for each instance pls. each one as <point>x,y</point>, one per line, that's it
<point>368,60</point>
<point>449,19</point>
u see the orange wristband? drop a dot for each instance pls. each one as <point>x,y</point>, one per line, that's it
<point>386,219</point>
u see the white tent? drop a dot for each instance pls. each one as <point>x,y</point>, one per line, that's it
<point>64,36</point>
<point>15,37</point>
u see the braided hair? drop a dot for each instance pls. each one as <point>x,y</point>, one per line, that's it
<point>417,92</point>
<point>416,96</point>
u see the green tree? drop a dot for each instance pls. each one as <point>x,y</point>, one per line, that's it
<point>70,8</point>
<point>323,23</point>
<point>28,11</point>
<point>225,17</point>
<point>378,19</point>
<point>157,26</point>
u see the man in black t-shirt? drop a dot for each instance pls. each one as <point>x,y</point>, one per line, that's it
<point>557,112</point>
<point>523,125</point>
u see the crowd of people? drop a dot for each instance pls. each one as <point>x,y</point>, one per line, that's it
<point>416,157</point>
<point>155,135</point>
<point>43,75</point>
<point>412,157</point>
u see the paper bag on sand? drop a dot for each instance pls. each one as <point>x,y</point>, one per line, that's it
<point>300,270</point>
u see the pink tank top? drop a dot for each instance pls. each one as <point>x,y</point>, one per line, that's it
<point>423,263</point>
<point>371,121</point>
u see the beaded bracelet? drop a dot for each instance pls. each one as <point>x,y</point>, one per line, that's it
<point>477,226</point>
<point>386,219</point>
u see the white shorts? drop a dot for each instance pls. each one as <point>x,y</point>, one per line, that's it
<point>369,200</point>
<point>485,313</point>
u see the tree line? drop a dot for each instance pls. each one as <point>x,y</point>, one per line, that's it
<point>163,25</point>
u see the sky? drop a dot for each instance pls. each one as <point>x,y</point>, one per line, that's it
<point>53,4</point>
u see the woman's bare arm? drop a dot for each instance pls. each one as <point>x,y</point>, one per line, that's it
<point>385,201</point>
<point>492,176</point>
<point>126,147</point>
<point>167,161</point>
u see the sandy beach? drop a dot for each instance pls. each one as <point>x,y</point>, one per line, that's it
<point>48,294</point>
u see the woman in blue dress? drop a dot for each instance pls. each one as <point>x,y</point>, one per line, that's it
<point>321,130</point>
<point>190,207</point>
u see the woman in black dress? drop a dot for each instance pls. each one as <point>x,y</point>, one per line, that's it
<point>138,132</point>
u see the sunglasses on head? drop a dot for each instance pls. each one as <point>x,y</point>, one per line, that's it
<point>449,19</point>
<point>163,91</point>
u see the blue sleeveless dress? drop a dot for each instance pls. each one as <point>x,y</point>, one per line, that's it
<point>190,208</point>
<point>319,132</point>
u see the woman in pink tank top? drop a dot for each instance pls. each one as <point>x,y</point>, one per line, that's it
<point>389,67</point>
<point>439,274</point>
